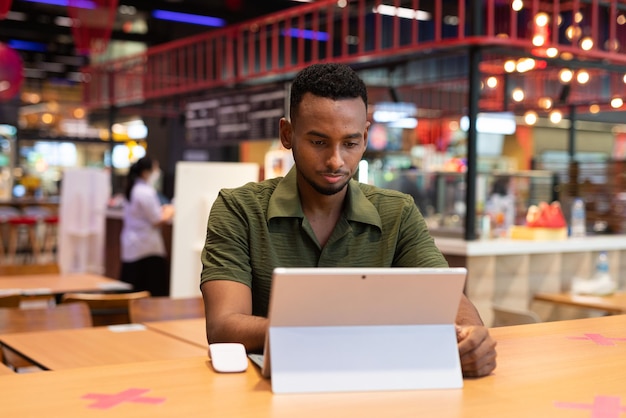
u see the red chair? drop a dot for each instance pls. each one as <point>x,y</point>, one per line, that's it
<point>23,226</point>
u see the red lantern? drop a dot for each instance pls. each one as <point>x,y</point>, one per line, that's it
<point>11,76</point>
<point>92,24</point>
<point>5,6</point>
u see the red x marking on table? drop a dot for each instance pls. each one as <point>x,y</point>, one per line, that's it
<point>104,401</point>
<point>602,407</point>
<point>598,339</point>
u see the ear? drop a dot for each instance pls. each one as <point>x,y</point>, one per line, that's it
<point>285,130</point>
<point>367,127</point>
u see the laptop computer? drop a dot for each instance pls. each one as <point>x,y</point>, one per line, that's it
<point>352,329</point>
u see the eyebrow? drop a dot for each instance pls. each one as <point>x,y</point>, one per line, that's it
<point>355,135</point>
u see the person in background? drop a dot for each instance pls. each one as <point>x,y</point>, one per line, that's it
<point>317,215</point>
<point>144,263</point>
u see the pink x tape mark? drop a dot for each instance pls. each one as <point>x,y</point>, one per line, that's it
<point>602,407</point>
<point>598,339</point>
<point>104,401</point>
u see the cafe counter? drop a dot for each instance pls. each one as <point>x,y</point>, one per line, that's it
<point>509,272</point>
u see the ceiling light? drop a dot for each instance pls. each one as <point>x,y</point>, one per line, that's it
<point>566,75</point>
<point>20,17</point>
<point>545,102</point>
<point>496,123</point>
<point>27,45</point>
<point>492,82</point>
<point>188,18</point>
<point>552,52</point>
<point>404,12</point>
<point>586,43</point>
<point>578,17</point>
<point>538,40</point>
<point>594,108</point>
<point>616,102</point>
<point>555,116</point>
<point>509,66</point>
<point>530,117</point>
<point>517,5</point>
<point>518,94</point>
<point>525,64</point>
<point>541,19</point>
<point>85,4</point>
<point>305,34</point>
<point>64,21</point>
<point>582,77</point>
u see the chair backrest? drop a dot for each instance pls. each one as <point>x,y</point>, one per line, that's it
<point>67,316</point>
<point>10,301</point>
<point>107,308</point>
<point>504,316</point>
<point>71,315</point>
<point>163,308</point>
<point>24,269</point>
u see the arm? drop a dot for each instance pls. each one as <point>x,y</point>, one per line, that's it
<point>476,347</point>
<point>228,311</point>
<point>477,350</point>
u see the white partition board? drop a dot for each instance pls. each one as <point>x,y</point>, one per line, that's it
<point>196,188</point>
<point>363,329</point>
<point>82,220</point>
<point>364,358</point>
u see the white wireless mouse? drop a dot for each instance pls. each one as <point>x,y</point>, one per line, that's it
<point>228,357</point>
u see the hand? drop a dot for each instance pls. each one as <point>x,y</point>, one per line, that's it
<point>477,350</point>
<point>167,212</point>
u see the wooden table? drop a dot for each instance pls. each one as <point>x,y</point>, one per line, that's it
<point>190,330</point>
<point>97,346</point>
<point>560,369</point>
<point>4,370</point>
<point>615,303</point>
<point>54,284</point>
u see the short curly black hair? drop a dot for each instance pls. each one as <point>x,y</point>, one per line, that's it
<point>330,80</point>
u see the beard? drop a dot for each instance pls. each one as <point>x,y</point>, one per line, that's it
<point>327,190</point>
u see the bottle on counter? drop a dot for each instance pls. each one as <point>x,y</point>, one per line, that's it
<point>602,264</point>
<point>578,219</point>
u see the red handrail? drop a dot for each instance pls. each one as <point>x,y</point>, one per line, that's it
<point>282,43</point>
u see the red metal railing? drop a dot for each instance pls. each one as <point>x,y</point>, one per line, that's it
<point>274,46</point>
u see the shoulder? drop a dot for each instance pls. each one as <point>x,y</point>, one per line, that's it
<point>251,190</point>
<point>379,196</point>
<point>249,195</point>
<point>143,190</point>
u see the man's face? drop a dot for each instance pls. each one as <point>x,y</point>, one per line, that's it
<point>328,139</point>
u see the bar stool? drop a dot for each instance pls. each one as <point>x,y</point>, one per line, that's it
<point>49,242</point>
<point>6,213</point>
<point>20,226</point>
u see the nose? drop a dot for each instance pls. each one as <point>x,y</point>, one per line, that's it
<point>335,159</point>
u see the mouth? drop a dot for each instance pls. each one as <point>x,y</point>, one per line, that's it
<point>333,177</point>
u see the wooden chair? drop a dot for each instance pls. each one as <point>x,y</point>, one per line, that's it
<point>163,308</point>
<point>10,301</point>
<point>24,269</point>
<point>503,316</point>
<point>68,316</point>
<point>107,308</point>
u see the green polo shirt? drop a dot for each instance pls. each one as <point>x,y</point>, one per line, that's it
<point>259,226</point>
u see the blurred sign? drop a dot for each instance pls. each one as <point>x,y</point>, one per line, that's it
<point>240,116</point>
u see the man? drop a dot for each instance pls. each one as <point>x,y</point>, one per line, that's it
<point>317,216</point>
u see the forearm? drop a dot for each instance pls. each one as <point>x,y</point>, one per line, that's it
<point>246,329</point>
<point>467,313</point>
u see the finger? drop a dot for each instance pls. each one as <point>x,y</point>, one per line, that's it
<point>485,370</point>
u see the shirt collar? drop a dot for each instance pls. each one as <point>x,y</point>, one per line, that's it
<point>285,202</point>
